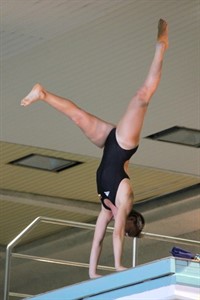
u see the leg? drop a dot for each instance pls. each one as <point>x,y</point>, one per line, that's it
<point>130,126</point>
<point>94,128</point>
<point>128,134</point>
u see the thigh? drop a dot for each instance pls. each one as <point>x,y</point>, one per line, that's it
<point>96,129</point>
<point>130,126</point>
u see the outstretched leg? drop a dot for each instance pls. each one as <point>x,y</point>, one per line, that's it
<point>130,126</point>
<point>94,128</point>
<point>128,134</point>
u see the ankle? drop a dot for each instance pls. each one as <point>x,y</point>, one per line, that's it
<point>161,46</point>
<point>43,95</point>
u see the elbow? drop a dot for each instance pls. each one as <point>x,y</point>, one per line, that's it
<point>118,234</point>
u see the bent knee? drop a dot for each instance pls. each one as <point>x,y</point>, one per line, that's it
<point>78,117</point>
<point>142,97</point>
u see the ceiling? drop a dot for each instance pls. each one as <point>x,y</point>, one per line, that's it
<point>96,53</point>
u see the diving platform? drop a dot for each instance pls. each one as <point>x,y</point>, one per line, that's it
<point>166,279</point>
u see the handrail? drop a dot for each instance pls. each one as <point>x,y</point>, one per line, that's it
<point>40,219</point>
<point>167,238</point>
<point>59,261</point>
<point>26,230</point>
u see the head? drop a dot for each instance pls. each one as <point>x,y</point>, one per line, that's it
<point>134,224</point>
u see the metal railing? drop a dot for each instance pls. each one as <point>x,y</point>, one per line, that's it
<point>39,220</point>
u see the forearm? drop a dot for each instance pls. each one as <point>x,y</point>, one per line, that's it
<point>94,258</point>
<point>118,242</point>
<point>100,230</point>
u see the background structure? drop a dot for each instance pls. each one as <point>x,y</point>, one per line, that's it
<point>96,53</point>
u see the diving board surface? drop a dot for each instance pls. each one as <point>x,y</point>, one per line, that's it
<point>165,279</point>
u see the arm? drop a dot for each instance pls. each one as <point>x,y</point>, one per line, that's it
<point>103,219</point>
<point>120,217</point>
<point>118,236</point>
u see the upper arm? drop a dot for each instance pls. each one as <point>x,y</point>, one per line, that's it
<point>104,218</point>
<point>120,220</point>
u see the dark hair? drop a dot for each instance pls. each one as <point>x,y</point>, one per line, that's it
<point>135,223</point>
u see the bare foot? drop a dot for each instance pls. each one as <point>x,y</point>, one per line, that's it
<point>163,33</point>
<point>37,93</point>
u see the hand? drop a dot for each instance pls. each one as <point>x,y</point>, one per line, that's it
<point>95,275</point>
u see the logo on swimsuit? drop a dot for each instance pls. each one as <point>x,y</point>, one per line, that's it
<point>107,193</point>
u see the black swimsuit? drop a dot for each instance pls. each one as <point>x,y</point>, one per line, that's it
<point>111,169</point>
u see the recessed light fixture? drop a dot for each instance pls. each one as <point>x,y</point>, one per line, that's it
<point>43,162</point>
<point>178,135</point>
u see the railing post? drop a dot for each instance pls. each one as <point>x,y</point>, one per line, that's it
<point>9,255</point>
<point>134,251</point>
<point>7,274</point>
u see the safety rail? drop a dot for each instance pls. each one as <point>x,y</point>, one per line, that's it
<point>41,219</point>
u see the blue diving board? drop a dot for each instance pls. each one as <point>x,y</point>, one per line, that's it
<point>168,278</point>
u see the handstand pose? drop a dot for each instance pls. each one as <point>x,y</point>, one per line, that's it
<point>120,142</point>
